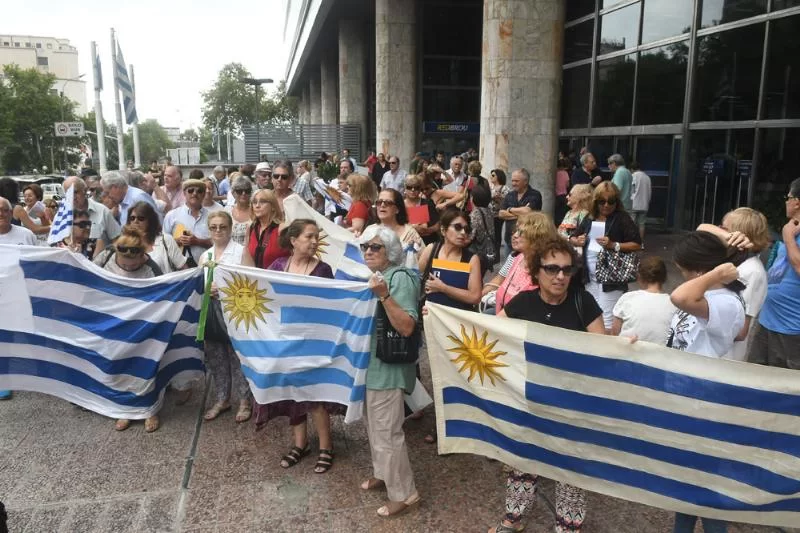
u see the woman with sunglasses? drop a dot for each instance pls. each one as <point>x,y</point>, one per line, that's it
<point>161,247</point>
<point>392,214</point>
<point>239,209</point>
<point>78,241</point>
<point>553,303</point>
<point>128,258</point>
<point>413,198</point>
<point>263,236</point>
<point>607,226</point>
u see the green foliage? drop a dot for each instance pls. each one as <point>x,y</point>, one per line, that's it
<point>153,141</point>
<point>327,170</point>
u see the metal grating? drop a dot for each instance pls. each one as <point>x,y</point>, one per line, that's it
<point>300,141</point>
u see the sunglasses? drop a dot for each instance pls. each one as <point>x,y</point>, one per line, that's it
<point>460,227</point>
<point>194,190</point>
<point>609,201</point>
<point>136,218</point>
<point>241,191</point>
<point>219,228</point>
<point>789,197</point>
<point>130,250</point>
<point>83,224</point>
<point>392,162</point>
<point>553,270</point>
<point>413,188</point>
<point>280,176</point>
<point>372,247</point>
<point>388,203</point>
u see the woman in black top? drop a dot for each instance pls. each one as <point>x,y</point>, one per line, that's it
<point>554,303</point>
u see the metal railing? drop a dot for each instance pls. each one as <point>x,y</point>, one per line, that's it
<point>300,141</point>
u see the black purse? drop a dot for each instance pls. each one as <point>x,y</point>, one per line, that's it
<point>216,330</point>
<point>392,347</point>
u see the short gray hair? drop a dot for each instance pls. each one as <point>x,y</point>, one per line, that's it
<point>524,172</point>
<point>135,178</point>
<point>6,201</point>
<point>242,183</point>
<point>617,160</point>
<point>457,157</point>
<point>113,178</point>
<point>394,249</point>
<point>585,157</point>
<point>219,168</point>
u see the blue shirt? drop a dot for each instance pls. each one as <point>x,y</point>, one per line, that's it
<point>224,187</point>
<point>132,196</point>
<point>779,313</point>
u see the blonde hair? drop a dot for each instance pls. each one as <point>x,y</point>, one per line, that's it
<point>750,222</point>
<point>130,238</point>
<point>361,188</point>
<point>269,196</point>
<point>609,190</point>
<point>474,168</point>
<point>220,214</point>
<point>414,180</point>
<point>536,228</point>
<point>584,192</point>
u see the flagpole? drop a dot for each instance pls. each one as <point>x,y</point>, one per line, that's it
<point>100,125</point>
<point>117,106</point>
<point>137,160</point>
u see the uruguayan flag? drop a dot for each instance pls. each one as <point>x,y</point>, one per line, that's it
<point>126,87</point>
<point>337,246</point>
<point>639,422</point>
<point>61,228</point>
<point>299,338</point>
<point>333,197</point>
<point>107,343</point>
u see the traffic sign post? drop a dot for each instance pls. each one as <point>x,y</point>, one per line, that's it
<point>69,129</point>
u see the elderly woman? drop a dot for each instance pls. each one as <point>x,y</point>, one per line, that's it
<point>429,231</point>
<point>608,227</point>
<point>579,202</point>
<point>302,238</point>
<point>222,361</point>
<point>78,241</point>
<point>362,191</point>
<point>398,289</point>
<point>391,211</point>
<point>33,200</point>
<point>128,258</point>
<point>239,209</point>
<point>161,247</point>
<point>264,234</point>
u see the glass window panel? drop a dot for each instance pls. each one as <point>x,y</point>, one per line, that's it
<point>609,3</point>
<point>620,29</point>
<point>777,5</point>
<point>728,67</point>
<point>666,18</point>
<point>662,84</point>
<point>575,97</point>
<point>721,11</point>
<point>451,104</point>
<point>578,41</point>
<point>777,167</point>
<point>614,92</point>
<point>456,72</point>
<point>782,92</point>
<point>579,8</point>
<point>601,148</point>
<point>442,38</point>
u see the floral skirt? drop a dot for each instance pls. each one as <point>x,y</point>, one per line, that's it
<point>296,411</point>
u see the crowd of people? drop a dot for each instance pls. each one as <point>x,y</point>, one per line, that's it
<point>573,272</point>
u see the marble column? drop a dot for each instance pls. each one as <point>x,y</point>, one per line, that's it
<point>521,88</point>
<point>396,78</point>
<point>328,82</point>
<point>303,108</point>
<point>314,98</point>
<point>352,78</point>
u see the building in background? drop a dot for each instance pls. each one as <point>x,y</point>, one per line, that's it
<point>704,94</point>
<point>174,134</point>
<point>48,54</point>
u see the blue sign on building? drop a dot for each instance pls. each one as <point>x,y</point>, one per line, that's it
<point>459,128</point>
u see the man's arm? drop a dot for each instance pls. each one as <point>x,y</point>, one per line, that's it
<point>790,232</point>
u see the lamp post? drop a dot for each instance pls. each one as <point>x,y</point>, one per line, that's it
<point>64,139</point>
<point>257,82</point>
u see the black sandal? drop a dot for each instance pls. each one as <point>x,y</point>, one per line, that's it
<point>294,456</point>
<point>324,463</point>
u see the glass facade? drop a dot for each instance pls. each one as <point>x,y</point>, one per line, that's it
<point>709,108</point>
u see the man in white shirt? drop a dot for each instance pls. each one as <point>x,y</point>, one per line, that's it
<point>454,176</point>
<point>395,177</point>
<point>10,234</point>
<point>105,229</point>
<point>640,197</point>
<point>189,223</point>
<point>122,195</point>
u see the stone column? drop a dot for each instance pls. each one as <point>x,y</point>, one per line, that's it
<point>521,88</point>
<point>303,108</point>
<point>328,82</point>
<point>314,98</point>
<point>352,78</point>
<point>396,79</point>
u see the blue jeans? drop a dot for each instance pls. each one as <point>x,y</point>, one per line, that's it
<point>684,523</point>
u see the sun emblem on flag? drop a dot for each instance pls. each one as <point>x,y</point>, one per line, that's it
<point>477,355</point>
<point>322,244</point>
<point>244,302</point>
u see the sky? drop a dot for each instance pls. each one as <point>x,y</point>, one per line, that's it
<point>177,47</point>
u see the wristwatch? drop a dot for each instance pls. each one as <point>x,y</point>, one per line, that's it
<point>384,298</point>
<point>616,247</point>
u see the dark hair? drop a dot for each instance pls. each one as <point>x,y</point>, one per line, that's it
<point>9,189</point>
<point>231,170</point>
<point>153,224</point>
<point>481,196</point>
<point>37,191</point>
<point>248,170</point>
<point>80,213</point>
<point>86,172</point>
<point>549,247</point>
<point>449,215</point>
<point>400,204</point>
<point>294,230</point>
<point>500,175</point>
<point>564,163</point>
<point>286,164</point>
<point>349,164</point>
<point>700,251</point>
<point>794,188</point>
<point>196,174</point>
<point>633,166</point>
<point>652,269</point>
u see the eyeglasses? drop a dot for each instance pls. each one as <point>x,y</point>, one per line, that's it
<point>789,197</point>
<point>136,218</point>
<point>388,203</point>
<point>83,224</point>
<point>260,202</point>
<point>607,201</point>
<point>372,247</point>
<point>241,191</point>
<point>194,190</point>
<point>413,188</point>
<point>130,250</point>
<point>219,228</point>
<point>460,227</point>
<point>392,162</point>
<point>553,270</point>
<point>280,176</point>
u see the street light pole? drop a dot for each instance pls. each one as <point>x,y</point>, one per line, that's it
<point>64,139</point>
<point>257,82</point>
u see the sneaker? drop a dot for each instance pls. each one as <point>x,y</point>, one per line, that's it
<point>5,394</point>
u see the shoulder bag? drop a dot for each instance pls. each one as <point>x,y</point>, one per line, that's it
<point>616,267</point>
<point>392,347</point>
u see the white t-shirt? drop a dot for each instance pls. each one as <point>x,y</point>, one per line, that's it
<point>712,337</point>
<point>753,275</point>
<point>645,314</point>
<point>167,254</point>
<point>19,236</point>
<point>640,191</point>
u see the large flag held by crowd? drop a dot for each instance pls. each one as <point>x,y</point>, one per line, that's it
<point>641,422</point>
<point>106,343</point>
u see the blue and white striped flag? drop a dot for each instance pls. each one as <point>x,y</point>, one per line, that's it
<point>299,338</point>
<point>61,228</point>
<point>107,343</point>
<point>640,422</point>
<point>125,85</point>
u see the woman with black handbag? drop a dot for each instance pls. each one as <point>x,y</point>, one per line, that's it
<point>220,357</point>
<point>391,370</point>
<point>609,239</point>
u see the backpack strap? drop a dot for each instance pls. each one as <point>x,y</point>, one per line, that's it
<point>109,255</point>
<point>579,307</point>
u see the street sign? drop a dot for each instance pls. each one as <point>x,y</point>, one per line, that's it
<point>69,129</point>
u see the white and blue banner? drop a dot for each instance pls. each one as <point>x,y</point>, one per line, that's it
<point>299,338</point>
<point>61,228</point>
<point>126,87</point>
<point>640,422</point>
<point>104,342</point>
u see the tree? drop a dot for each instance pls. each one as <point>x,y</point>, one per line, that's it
<point>230,104</point>
<point>153,141</point>
<point>112,158</point>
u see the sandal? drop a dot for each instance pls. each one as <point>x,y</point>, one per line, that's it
<point>294,456</point>
<point>502,528</point>
<point>216,410</point>
<point>372,484</point>
<point>430,439</point>
<point>324,461</point>
<point>393,508</point>
<point>122,424</point>
<point>244,413</point>
<point>151,424</point>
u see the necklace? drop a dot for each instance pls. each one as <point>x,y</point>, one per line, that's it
<point>307,268</point>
